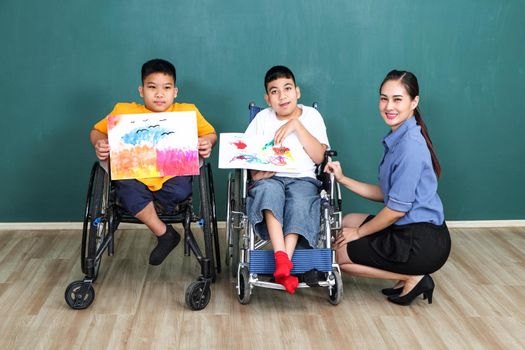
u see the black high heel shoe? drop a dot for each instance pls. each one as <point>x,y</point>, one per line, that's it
<point>425,287</point>
<point>392,291</point>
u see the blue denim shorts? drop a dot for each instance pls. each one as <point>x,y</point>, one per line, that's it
<point>133,195</point>
<point>295,203</point>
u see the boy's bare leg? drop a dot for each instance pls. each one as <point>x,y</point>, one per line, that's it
<point>149,217</point>
<point>290,242</point>
<point>275,230</point>
<point>167,237</point>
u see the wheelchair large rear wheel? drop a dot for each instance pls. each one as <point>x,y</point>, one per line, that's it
<point>233,224</point>
<point>95,225</point>
<point>207,218</point>
<point>213,213</point>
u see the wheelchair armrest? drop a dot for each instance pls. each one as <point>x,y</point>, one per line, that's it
<point>328,154</point>
<point>321,175</point>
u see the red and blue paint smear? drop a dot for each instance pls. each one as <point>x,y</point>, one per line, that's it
<point>278,158</point>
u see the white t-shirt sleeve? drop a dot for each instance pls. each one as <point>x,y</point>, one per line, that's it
<point>315,125</point>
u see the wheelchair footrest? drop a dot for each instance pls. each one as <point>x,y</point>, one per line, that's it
<point>312,277</point>
<point>263,262</point>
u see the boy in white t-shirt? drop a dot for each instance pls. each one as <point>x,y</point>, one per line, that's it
<point>286,206</point>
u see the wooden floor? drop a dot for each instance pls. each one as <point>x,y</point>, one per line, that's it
<point>479,302</point>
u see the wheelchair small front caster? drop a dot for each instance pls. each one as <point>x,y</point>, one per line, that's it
<point>198,294</point>
<point>335,293</point>
<point>244,292</point>
<point>79,295</point>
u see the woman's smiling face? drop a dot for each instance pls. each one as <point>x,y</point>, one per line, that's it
<point>395,104</point>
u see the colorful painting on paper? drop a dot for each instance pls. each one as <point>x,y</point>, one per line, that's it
<point>237,151</point>
<point>153,145</point>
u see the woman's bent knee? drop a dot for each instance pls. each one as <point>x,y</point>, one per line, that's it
<point>354,220</point>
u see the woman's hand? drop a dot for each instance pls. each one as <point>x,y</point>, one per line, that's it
<point>347,235</point>
<point>259,175</point>
<point>334,168</point>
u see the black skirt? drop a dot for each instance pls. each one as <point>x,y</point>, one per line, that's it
<point>412,249</point>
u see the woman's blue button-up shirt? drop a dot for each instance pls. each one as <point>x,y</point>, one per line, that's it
<point>407,178</point>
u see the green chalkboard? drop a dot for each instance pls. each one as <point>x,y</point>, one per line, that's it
<point>65,64</point>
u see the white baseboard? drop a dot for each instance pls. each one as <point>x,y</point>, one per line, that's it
<point>32,226</point>
<point>486,223</point>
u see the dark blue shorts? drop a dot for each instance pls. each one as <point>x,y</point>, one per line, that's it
<point>133,195</point>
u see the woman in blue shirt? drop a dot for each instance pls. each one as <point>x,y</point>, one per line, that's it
<point>408,239</point>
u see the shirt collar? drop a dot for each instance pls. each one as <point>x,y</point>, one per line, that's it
<point>394,136</point>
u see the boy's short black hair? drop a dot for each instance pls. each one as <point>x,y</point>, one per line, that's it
<point>277,72</point>
<point>158,65</point>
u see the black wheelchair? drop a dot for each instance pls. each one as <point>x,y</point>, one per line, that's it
<point>251,265</point>
<point>103,215</point>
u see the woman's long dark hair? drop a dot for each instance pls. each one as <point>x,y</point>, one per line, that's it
<point>409,80</point>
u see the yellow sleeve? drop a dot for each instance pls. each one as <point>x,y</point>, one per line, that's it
<point>102,126</point>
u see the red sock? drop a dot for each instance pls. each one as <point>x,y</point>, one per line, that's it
<point>290,283</point>
<point>283,265</point>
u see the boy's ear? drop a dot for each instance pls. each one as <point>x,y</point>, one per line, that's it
<point>141,91</point>
<point>298,91</point>
<point>176,89</point>
<point>267,99</point>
